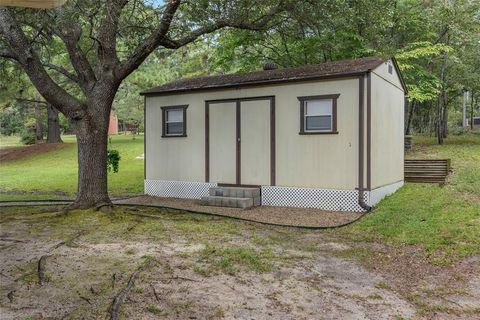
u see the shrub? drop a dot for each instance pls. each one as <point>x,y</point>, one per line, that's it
<point>113,159</point>
<point>27,135</point>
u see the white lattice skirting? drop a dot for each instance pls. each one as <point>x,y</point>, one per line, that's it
<point>325,199</point>
<point>177,189</point>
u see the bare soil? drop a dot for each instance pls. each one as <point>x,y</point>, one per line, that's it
<point>205,267</point>
<point>15,153</point>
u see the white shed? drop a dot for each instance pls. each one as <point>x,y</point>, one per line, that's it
<point>326,136</point>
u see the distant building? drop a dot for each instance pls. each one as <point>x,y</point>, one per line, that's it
<point>113,124</point>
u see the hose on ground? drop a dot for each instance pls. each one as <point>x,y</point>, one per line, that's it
<point>22,203</point>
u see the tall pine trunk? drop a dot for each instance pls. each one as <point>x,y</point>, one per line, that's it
<point>411,111</point>
<point>38,123</point>
<point>53,126</point>
<point>439,125</point>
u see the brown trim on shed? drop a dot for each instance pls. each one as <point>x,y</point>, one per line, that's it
<point>238,185</point>
<point>207,142</point>
<point>144,138</point>
<point>369,131</point>
<point>272,142</point>
<point>361,125</point>
<point>302,100</point>
<point>238,143</point>
<point>399,73</point>
<point>164,118</point>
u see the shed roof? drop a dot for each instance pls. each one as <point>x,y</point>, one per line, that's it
<point>341,68</point>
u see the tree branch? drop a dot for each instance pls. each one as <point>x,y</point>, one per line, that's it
<point>152,42</point>
<point>70,33</point>
<point>62,71</point>
<point>29,60</point>
<point>8,54</point>
<point>159,36</point>
<point>107,37</point>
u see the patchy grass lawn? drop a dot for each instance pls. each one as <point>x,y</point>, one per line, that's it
<point>206,267</point>
<point>444,220</point>
<point>53,174</point>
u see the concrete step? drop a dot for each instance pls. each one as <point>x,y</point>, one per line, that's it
<point>232,202</point>
<point>235,192</point>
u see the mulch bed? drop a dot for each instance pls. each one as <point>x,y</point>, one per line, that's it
<point>15,153</point>
<point>265,214</point>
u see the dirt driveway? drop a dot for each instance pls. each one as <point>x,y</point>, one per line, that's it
<point>187,266</point>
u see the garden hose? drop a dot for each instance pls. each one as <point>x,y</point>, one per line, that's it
<point>50,202</point>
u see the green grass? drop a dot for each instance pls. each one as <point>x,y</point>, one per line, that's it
<point>444,220</point>
<point>9,141</point>
<point>54,173</point>
<point>230,259</point>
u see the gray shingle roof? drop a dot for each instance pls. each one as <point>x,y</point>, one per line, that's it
<point>309,72</point>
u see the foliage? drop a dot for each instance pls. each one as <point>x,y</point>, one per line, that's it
<point>113,160</point>
<point>423,84</point>
<point>28,132</point>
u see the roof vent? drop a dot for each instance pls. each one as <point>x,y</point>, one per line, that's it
<point>269,66</point>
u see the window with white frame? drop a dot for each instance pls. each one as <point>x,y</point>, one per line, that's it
<point>318,114</point>
<point>174,121</point>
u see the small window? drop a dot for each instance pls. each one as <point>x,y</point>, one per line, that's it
<point>174,121</point>
<point>318,114</point>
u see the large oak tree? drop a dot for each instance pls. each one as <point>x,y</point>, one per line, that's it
<point>104,41</point>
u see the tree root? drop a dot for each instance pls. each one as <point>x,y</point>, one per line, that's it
<point>62,243</point>
<point>12,240</point>
<point>122,295</point>
<point>41,270</point>
<point>86,299</point>
<point>155,293</point>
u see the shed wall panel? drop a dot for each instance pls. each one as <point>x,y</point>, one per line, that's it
<point>314,161</point>
<point>387,132</point>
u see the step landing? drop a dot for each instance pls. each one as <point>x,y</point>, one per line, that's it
<point>232,197</point>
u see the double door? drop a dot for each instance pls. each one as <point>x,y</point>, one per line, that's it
<point>240,141</point>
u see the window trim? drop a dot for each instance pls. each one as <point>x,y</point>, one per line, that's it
<point>182,107</point>
<point>332,97</point>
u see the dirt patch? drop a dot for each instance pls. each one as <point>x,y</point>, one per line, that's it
<point>274,215</point>
<point>15,153</point>
<point>206,267</point>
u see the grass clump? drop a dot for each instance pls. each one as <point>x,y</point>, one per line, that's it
<point>230,259</point>
<point>156,310</point>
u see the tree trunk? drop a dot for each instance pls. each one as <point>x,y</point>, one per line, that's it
<point>439,122</point>
<point>411,110</point>
<point>53,127</point>
<point>471,110</point>
<point>38,123</point>
<point>92,139</point>
<point>445,114</point>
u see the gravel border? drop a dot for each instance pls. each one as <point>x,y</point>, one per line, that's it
<point>265,214</point>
